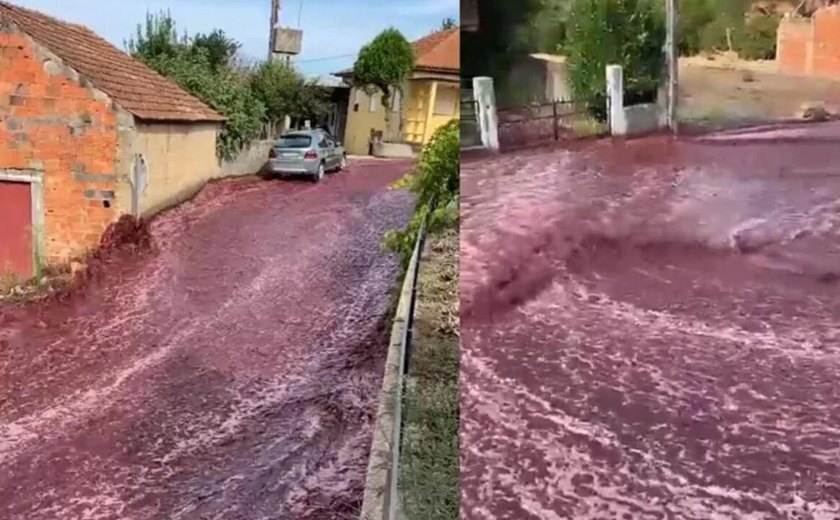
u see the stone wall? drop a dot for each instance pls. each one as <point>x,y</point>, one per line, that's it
<point>63,132</point>
<point>248,161</point>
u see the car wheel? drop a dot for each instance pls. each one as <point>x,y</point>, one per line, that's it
<point>342,165</point>
<point>320,175</point>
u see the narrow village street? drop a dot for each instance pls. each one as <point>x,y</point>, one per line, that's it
<point>649,329</point>
<point>229,372</point>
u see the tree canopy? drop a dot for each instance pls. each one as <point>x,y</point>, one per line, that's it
<point>285,92</point>
<point>384,64</point>
<point>205,65</point>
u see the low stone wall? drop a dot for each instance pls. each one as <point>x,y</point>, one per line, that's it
<point>248,162</point>
<point>393,150</point>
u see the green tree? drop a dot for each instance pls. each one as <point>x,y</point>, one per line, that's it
<point>384,64</point>
<point>758,41</point>
<point>219,49</point>
<point>546,28</point>
<point>155,38</point>
<point>448,23</point>
<point>694,17</point>
<point>629,33</point>
<point>203,70</point>
<point>285,92</point>
<point>499,41</point>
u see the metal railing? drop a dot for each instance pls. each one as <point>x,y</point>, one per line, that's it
<point>538,123</point>
<point>381,495</point>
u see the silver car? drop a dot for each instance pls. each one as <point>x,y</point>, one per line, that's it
<point>306,152</point>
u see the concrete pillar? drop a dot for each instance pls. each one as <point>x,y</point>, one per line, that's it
<point>615,100</point>
<point>488,120</point>
<point>430,112</point>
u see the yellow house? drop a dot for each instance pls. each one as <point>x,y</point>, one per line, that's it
<point>430,98</point>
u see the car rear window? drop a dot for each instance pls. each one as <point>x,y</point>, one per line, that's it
<point>294,141</point>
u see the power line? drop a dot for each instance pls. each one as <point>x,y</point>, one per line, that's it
<point>326,58</point>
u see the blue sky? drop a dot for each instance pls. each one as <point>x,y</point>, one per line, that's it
<point>331,28</point>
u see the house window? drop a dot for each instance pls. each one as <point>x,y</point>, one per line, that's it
<point>446,101</point>
<point>373,101</point>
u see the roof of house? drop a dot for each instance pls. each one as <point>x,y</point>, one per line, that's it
<point>131,84</point>
<point>437,52</point>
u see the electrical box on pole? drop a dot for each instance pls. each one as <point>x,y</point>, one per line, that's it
<point>284,43</point>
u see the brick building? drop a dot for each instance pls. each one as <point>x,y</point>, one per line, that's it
<point>86,134</point>
<point>810,46</point>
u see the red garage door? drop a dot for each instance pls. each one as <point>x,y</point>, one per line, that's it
<point>15,229</point>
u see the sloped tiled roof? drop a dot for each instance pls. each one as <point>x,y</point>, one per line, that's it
<point>131,84</point>
<point>437,52</point>
<point>440,51</point>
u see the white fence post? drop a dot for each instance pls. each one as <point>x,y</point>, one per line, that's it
<point>488,119</point>
<point>615,100</point>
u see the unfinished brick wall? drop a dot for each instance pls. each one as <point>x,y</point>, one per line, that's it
<point>52,125</point>
<point>810,46</point>
<point>793,46</point>
<point>826,58</point>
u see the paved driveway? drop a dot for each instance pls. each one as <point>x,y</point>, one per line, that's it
<point>650,330</point>
<point>232,373</point>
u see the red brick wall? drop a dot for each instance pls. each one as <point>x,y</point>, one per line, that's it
<point>826,61</point>
<point>811,46</point>
<point>51,123</point>
<point>794,37</point>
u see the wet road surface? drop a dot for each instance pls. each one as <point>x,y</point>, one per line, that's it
<point>650,329</point>
<point>230,373</point>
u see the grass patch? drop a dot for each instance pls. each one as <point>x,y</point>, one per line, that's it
<point>429,486</point>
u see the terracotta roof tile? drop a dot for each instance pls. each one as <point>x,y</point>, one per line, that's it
<point>131,84</point>
<point>438,52</point>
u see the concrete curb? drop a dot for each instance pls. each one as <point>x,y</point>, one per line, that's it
<point>381,499</point>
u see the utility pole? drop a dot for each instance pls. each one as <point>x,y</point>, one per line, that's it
<point>272,35</point>
<point>671,57</point>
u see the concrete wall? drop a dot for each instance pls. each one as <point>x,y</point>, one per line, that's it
<point>437,120</point>
<point>632,120</point>
<point>420,120</point>
<point>59,134</point>
<point>488,118</point>
<point>810,46</point>
<point>180,157</point>
<point>361,121</point>
<point>248,161</point>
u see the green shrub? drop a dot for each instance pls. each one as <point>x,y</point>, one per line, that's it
<point>435,180</point>
<point>201,65</point>
<point>286,92</point>
<point>629,33</point>
<point>758,40</point>
<point>694,17</point>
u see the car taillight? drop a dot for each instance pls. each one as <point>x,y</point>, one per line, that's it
<point>272,154</point>
<point>311,154</point>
